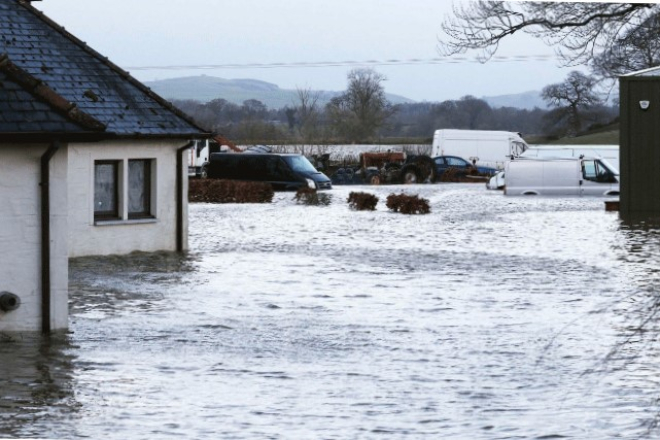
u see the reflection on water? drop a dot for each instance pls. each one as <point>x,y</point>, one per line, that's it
<point>637,351</point>
<point>36,386</point>
<point>489,318</point>
<point>114,283</point>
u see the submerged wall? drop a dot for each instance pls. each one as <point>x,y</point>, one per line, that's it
<point>20,236</point>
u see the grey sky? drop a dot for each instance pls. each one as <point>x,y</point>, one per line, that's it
<point>135,33</point>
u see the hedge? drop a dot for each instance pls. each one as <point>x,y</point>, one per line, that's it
<point>229,191</point>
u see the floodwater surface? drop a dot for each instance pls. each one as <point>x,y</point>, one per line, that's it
<point>490,318</point>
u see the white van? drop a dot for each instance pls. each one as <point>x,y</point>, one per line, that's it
<point>607,152</point>
<point>561,177</point>
<point>483,148</point>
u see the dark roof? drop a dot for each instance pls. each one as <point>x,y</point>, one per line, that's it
<point>652,71</point>
<point>52,82</point>
<point>21,111</point>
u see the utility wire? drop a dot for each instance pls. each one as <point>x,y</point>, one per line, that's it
<point>392,62</point>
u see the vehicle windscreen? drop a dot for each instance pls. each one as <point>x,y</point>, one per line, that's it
<point>518,148</point>
<point>456,162</point>
<point>300,164</point>
<point>598,171</point>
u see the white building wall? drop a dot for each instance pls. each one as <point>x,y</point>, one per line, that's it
<point>20,236</point>
<point>124,236</point>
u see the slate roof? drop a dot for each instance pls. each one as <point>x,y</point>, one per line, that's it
<point>50,81</point>
<point>20,111</point>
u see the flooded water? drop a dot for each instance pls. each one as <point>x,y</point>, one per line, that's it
<point>490,318</point>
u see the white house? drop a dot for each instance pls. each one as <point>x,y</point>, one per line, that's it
<point>91,163</point>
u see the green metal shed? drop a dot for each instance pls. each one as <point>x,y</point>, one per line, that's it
<point>640,145</point>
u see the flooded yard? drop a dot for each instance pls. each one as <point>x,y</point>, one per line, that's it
<point>490,318</point>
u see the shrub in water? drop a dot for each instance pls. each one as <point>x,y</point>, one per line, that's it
<point>406,204</point>
<point>360,201</point>
<point>229,191</point>
<point>309,196</point>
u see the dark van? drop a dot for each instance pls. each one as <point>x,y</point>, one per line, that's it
<point>286,172</point>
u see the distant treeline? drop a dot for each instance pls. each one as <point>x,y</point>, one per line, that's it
<point>253,122</point>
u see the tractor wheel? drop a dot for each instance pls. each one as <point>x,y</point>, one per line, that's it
<point>410,174</point>
<point>426,167</point>
<point>374,180</point>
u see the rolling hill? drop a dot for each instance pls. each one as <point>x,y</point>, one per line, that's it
<point>526,100</point>
<point>206,88</point>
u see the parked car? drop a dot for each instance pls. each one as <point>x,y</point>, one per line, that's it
<point>497,181</point>
<point>460,167</point>
<point>286,172</point>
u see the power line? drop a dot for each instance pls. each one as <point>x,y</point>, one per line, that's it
<point>391,62</point>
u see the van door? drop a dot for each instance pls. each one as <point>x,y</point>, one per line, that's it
<point>560,177</point>
<point>597,179</point>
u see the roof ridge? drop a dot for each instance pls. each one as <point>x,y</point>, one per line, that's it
<point>105,60</point>
<point>39,89</point>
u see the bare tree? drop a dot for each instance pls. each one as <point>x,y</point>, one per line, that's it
<point>308,115</point>
<point>362,110</point>
<point>570,99</point>
<point>254,109</point>
<point>637,49</point>
<point>578,31</point>
<point>475,112</point>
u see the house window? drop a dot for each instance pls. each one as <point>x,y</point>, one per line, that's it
<point>139,188</point>
<point>124,191</point>
<point>106,189</point>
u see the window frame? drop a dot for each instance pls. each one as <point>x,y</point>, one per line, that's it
<point>114,214</point>
<point>147,211</point>
<point>122,196</point>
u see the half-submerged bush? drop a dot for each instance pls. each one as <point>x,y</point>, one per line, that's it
<point>229,191</point>
<point>406,204</point>
<point>309,196</point>
<point>360,201</point>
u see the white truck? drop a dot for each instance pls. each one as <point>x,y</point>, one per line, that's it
<point>484,148</point>
<point>200,153</point>
<point>561,177</point>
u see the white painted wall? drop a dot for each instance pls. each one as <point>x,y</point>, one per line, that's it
<point>20,236</point>
<point>122,237</point>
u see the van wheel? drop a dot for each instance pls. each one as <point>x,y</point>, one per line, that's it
<point>204,173</point>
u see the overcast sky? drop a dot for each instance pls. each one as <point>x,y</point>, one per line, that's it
<point>143,33</point>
